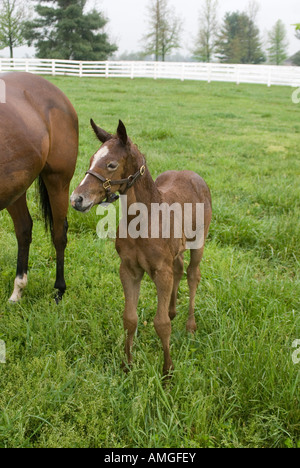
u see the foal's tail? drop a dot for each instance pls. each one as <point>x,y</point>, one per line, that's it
<point>45,204</point>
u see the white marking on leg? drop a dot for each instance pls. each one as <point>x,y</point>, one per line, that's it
<point>20,285</point>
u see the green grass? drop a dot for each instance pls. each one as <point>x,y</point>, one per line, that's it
<point>235,384</point>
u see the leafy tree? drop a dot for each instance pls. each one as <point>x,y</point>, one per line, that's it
<point>12,18</point>
<point>207,35</point>
<point>278,43</point>
<point>164,30</point>
<point>65,31</point>
<point>239,40</point>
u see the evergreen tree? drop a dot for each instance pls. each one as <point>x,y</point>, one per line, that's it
<point>65,31</point>
<point>295,59</point>
<point>239,40</point>
<point>254,53</point>
<point>278,42</point>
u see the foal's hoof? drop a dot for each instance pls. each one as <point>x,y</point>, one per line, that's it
<point>168,371</point>
<point>172,314</point>
<point>167,377</point>
<point>126,367</point>
<point>191,326</point>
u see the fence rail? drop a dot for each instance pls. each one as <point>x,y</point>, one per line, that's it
<point>263,74</point>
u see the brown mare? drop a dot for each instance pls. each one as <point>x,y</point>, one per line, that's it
<point>38,138</point>
<point>119,166</point>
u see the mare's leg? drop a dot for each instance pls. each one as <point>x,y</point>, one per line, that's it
<point>194,276</point>
<point>164,284</point>
<point>131,281</point>
<point>178,273</point>
<point>23,228</point>
<point>58,192</point>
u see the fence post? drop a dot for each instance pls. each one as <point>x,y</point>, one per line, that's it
<point>106,70</point>
<point>132,71</point>
<point>209,66</point>
<point>269,77</point>
<point>27,65</point>
<point>183,72</point>
<point>53,67</point>
<point>80,70</point>
<point>238,75</point>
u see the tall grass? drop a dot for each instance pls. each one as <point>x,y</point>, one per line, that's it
<point>235,384</point>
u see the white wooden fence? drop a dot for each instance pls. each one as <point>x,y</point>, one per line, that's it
<point>264,74</point>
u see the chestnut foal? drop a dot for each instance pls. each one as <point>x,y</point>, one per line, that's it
<point>119,166</point>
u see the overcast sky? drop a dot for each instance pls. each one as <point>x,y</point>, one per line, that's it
<point>128,20</point>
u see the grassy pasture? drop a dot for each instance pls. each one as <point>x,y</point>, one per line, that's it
<point>235,383</point>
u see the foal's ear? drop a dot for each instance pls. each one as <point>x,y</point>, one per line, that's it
<point>122,133</point>
<point>101,134</point>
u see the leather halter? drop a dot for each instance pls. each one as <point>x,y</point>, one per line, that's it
<point>108,183</point>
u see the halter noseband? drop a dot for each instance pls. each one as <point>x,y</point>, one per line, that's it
<point>108,183</point>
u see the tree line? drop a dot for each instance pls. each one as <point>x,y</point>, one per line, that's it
<point>237,39</point>
<point>67,30</point>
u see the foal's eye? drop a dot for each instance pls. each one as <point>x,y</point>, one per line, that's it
<point>112,165</point>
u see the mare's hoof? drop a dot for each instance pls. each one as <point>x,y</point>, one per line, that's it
<point>12,301</point>
<point>58,298</point>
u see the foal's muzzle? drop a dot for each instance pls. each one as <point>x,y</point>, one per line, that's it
<point>78,204</point>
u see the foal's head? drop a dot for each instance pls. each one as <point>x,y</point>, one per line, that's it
<point>113,168</point>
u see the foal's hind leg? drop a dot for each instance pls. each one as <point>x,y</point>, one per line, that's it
<point>194,276</point>
<point>23,227</point>
<point>178,273</point>
<point>58,192</point>
<point>162,323</point>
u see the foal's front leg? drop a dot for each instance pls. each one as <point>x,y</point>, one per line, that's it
<point>131,281</point>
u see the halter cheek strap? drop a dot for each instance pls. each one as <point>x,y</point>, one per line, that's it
<point>108,183</point>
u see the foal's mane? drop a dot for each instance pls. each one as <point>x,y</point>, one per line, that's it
<point>136,153</point>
